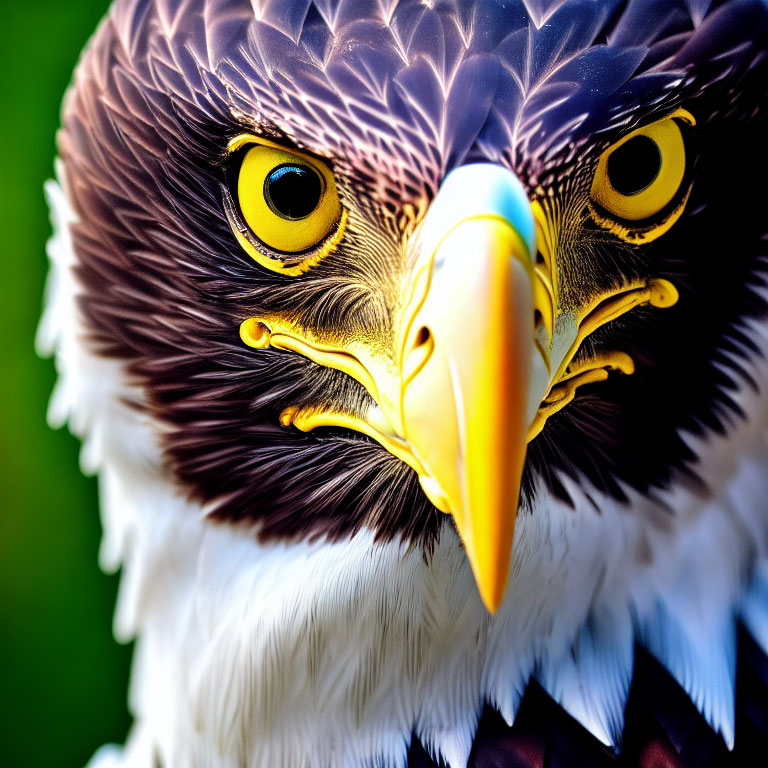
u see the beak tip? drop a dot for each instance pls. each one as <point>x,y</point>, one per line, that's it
<point>492,596</point>
<point>491,583</point>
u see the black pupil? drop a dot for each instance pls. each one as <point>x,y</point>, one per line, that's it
<point>634,165</point>
<point>292,191</point>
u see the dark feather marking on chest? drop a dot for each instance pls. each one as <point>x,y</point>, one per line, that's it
<point>662,728</point>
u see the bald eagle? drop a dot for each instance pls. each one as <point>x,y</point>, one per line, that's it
<point>420,351</point>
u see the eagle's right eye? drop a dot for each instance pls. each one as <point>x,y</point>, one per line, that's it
<point>283,204</point>
<point>289,201</point>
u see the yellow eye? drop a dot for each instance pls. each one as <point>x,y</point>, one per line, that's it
<point>639,179</point>
<point>288,204</point>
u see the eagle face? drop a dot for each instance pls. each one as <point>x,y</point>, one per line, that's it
<point>367,264</point>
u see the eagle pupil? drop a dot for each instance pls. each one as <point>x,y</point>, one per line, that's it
<point>292,191</point>
<point>634,165</point>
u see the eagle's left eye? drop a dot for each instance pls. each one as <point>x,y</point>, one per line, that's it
<point>285,209</point>
<point>639,188</point>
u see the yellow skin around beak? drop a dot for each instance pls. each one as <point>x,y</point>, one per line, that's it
<point>454,399</point>
<point>464,409</point>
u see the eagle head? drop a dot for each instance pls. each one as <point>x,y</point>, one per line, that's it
<point>386,317</point>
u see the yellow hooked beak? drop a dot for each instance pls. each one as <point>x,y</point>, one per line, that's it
<point>456,399</point>
<point>465,397</point>
<point>464,411</point>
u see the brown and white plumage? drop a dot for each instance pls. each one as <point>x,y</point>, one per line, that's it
<point>296,598</point>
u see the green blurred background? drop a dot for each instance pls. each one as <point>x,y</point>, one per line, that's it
<point>63,678</point>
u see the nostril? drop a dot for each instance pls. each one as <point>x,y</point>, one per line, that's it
<point>419,353</point>
<point>422,337</point>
